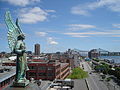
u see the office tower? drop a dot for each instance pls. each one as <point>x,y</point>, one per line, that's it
<point>37,49</point>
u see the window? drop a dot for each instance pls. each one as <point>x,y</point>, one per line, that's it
<point>50,74</point>
<point>32,67</point>
<point>42,68</point>
<point>32,74</point>
<point>50,68</point>
<point>42,74</point>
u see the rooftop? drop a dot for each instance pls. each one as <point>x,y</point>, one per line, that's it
<point>7,72</point>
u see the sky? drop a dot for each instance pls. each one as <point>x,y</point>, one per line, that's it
<point>61,24</point>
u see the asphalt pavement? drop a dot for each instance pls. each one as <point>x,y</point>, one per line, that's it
<point>93,79</point>
<point>80,84</point>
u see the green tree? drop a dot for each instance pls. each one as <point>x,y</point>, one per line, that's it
<point>78,73</point>
<point>104,68</point>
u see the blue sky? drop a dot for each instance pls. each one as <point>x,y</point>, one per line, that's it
<point>61,24</point>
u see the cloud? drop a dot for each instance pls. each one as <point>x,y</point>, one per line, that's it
<point>41,34</point>
<point>111,33</point>
<point>51,41</point>
<point>80,26</point>
<point>113,5</point>
<point>115,35</point>
<point>116,40</point>
<point>79,36</point>
<point>32,15</point>
<point>116,25</point>
<point>21,2</point>
<point>79,11</point>
<point>52,31</point>
<point>2,25</point>
<point>50,11</point>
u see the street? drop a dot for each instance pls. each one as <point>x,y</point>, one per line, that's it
<point>80,84</point>
<point>93,79</point>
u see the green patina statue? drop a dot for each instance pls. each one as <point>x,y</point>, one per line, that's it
<point>17,46</point>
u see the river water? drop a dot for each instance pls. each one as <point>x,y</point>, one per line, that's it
<point>111,58</point>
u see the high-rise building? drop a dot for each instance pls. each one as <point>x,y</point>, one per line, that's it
<point>37,49</point>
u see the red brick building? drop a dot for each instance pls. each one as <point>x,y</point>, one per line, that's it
<point>43,70</point>
<point>46,70</point>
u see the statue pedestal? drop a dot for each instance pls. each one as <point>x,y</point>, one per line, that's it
<point>20,84</point>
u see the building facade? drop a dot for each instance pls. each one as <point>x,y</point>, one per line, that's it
<point>37,49</point>
<point>43,70</point>
<point>7,75</point>
<point>46,70</point>
<point>93,54</point>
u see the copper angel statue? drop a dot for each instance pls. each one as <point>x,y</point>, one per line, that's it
<point>17,46</point>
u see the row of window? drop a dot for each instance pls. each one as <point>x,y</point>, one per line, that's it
<point>31,74</point>
<point>41,68</point>
<point>7,81</point>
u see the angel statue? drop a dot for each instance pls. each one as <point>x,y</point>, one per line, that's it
<point>17,46</point>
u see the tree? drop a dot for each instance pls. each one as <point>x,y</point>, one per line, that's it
<point>78,73</point>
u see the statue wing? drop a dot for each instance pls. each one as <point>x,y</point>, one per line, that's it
<point>13,30</point>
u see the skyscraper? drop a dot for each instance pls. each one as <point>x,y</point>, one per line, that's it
<point>37,49</point>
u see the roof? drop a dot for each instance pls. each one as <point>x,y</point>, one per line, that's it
<point>63,64</point>
<point>7,74</point>
<point>12,57</point>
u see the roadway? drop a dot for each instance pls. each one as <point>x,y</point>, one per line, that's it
<point>93,79</point>
<point>79,84</point>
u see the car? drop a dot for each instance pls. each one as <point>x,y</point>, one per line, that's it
<point>90,73</point>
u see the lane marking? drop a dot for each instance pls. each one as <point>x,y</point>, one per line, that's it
<point>91,77</point>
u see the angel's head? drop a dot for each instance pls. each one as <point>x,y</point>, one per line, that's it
<point>21,37</point>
